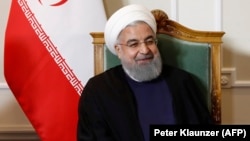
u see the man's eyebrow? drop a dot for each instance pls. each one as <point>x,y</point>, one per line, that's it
<point>135,40</point>
<point>149,37</point>
<point>132,40</point>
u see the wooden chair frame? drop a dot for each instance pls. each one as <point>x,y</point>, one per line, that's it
<point>173,28</point>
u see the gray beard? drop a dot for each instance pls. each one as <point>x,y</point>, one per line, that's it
<point>145,72</point>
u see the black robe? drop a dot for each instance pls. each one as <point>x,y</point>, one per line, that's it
<point>107,107</point>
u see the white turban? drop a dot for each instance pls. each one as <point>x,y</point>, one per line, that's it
<point>121,18</point>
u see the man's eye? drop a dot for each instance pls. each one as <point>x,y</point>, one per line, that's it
<point>150,42</point>
<point>133,45</point>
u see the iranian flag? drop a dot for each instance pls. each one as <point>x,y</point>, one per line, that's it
<point>48,57</point>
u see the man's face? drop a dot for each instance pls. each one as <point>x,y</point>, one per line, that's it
<point>138,52</point>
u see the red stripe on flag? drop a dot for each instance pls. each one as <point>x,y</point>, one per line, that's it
<point>42,90</point>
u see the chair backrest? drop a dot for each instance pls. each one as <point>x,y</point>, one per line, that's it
<point>198,52</point>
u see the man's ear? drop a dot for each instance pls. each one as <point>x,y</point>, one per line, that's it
<point>118,50</point>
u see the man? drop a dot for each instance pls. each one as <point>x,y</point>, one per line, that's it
<point>121,103</point>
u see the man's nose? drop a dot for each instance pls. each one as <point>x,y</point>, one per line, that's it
<point>144,48</point>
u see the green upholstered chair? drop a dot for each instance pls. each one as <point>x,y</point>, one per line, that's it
<point>197,52</point>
